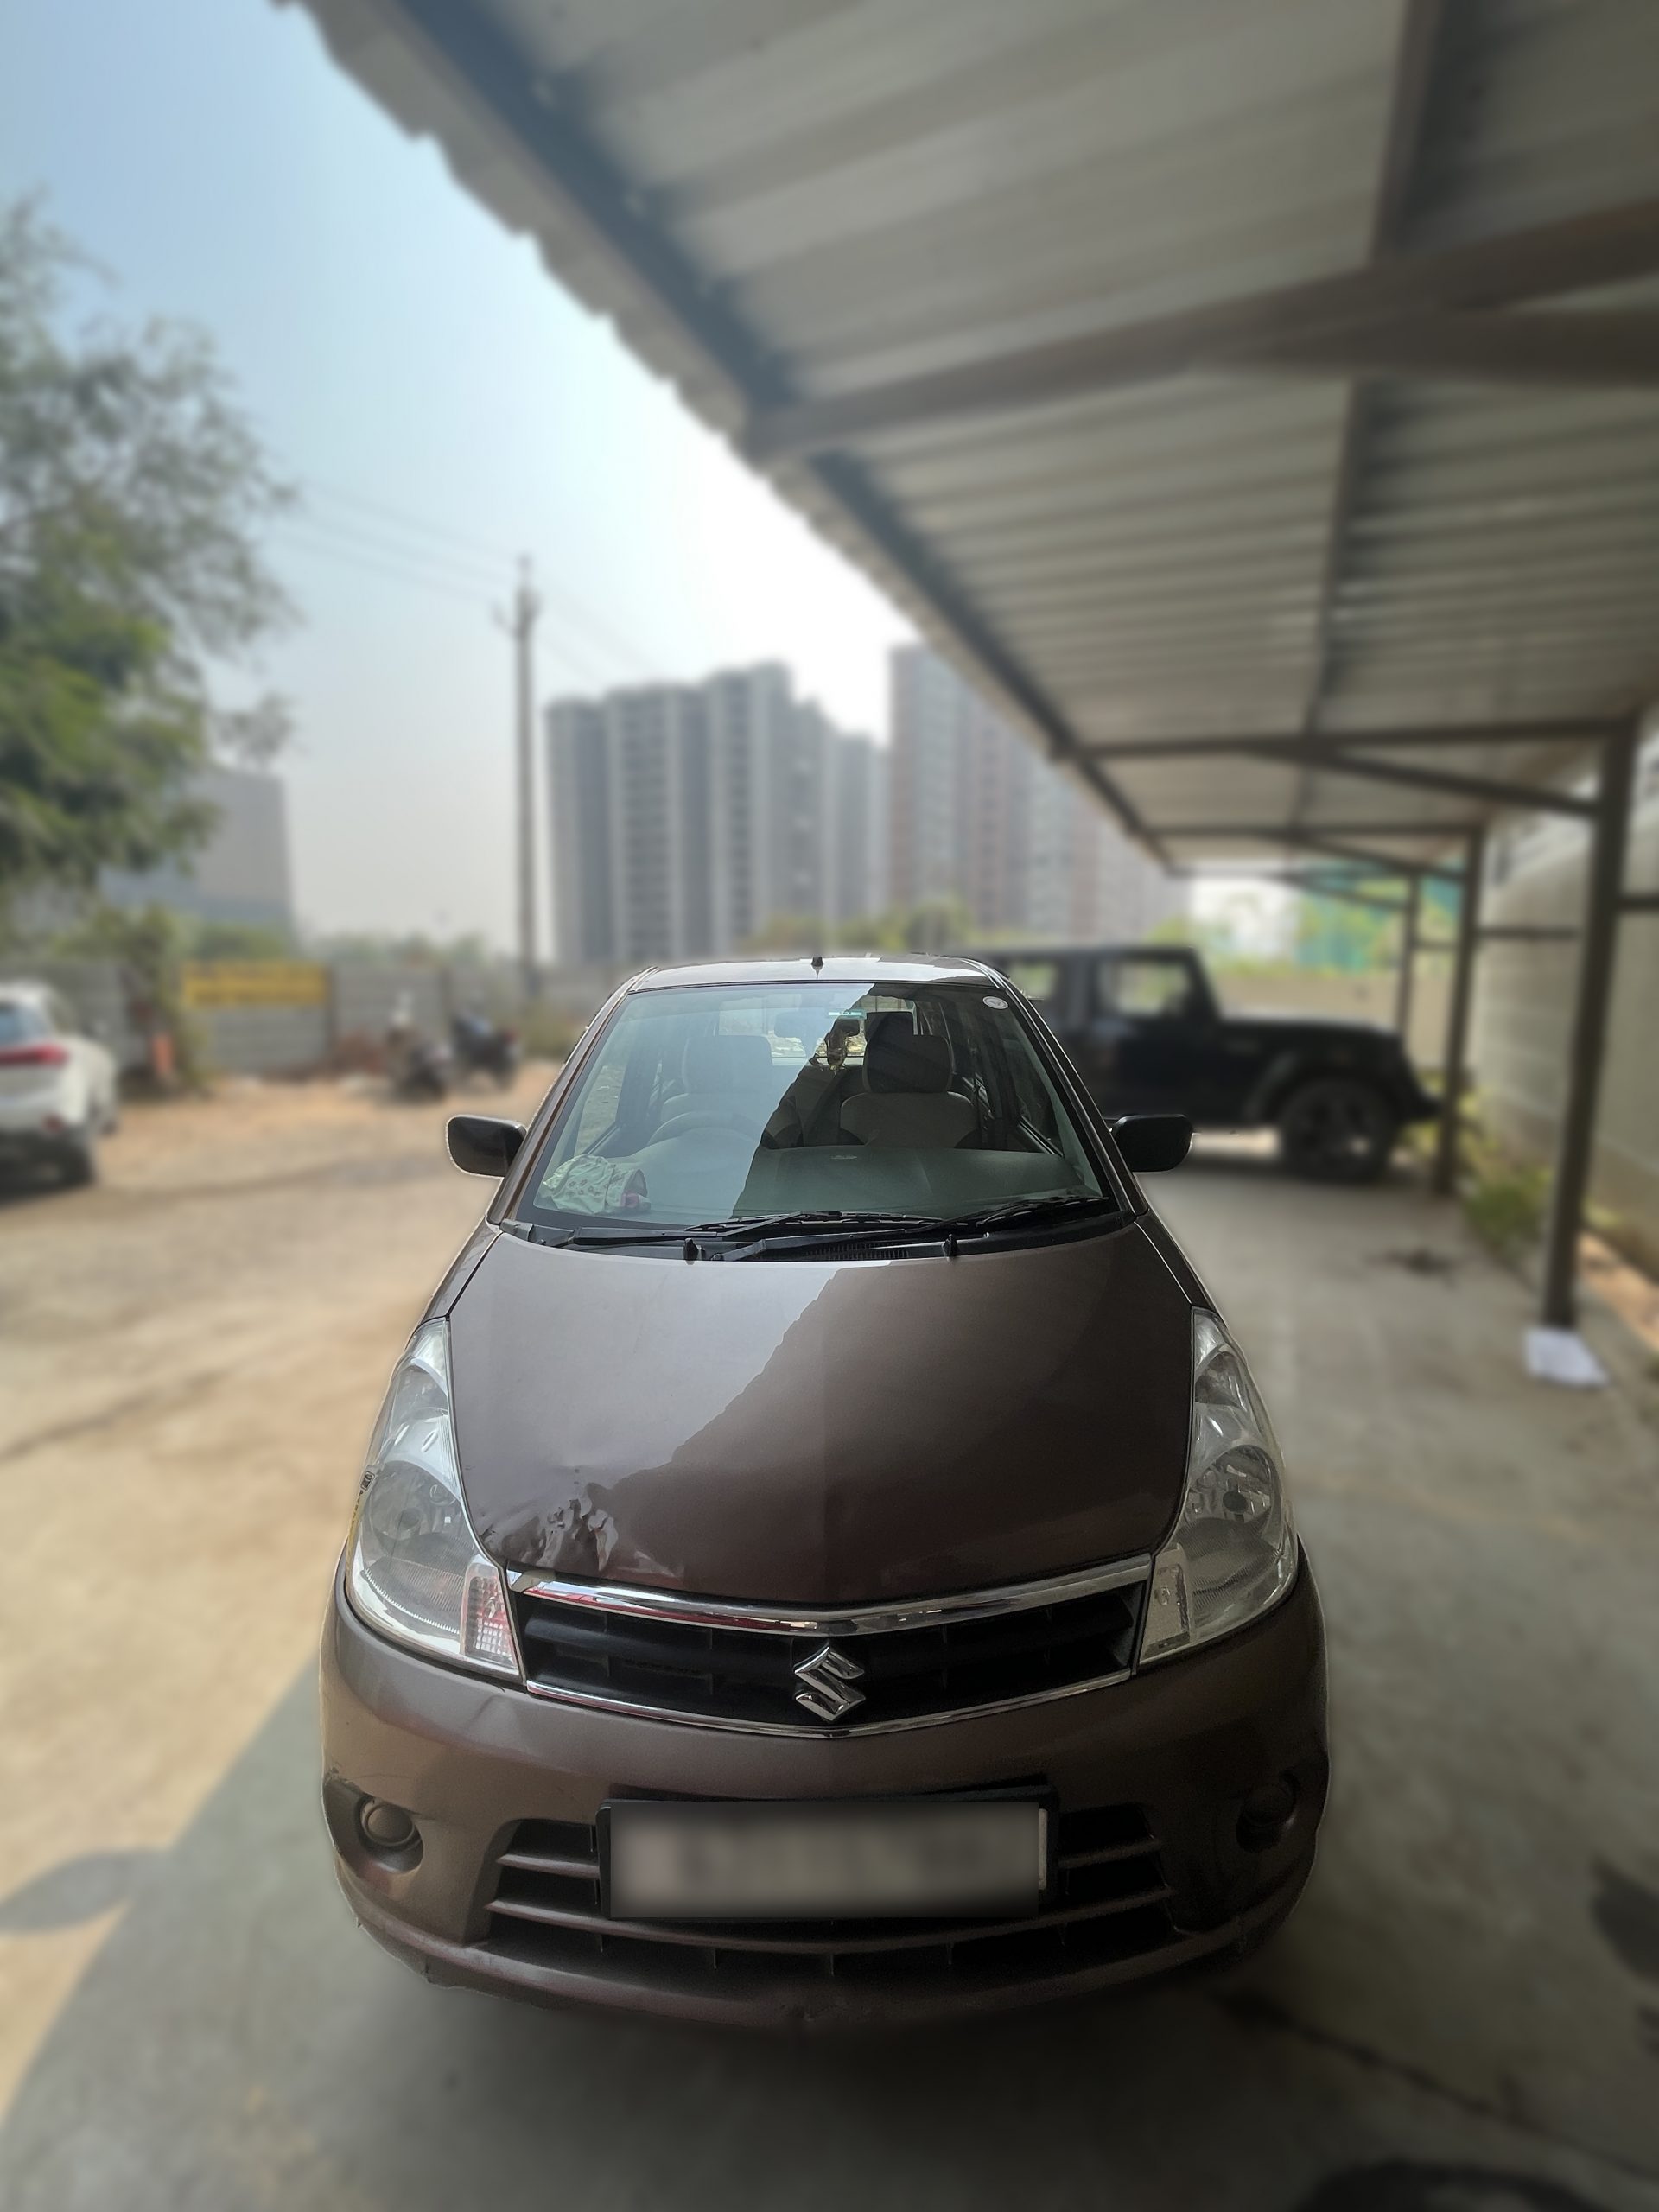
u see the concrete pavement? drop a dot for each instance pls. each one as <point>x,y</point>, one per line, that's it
<point>1463,2012</point>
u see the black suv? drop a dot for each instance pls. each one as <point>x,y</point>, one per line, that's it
<point>1142,1026</point>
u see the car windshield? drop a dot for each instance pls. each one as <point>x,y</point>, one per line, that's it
<point>704,1105</point>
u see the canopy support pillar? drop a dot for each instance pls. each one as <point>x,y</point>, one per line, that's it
<point>1445,1177</point>
<point>1603,896</point>
<point>1408,956</point>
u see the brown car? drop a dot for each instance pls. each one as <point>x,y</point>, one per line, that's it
<point>821,1558</point>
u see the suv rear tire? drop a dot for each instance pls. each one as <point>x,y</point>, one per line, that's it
<point>1336,1128</point>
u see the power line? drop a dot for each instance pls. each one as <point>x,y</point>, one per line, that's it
<point>403,517</point>
<point>444,564</point>
<point>476,599</point>
<point>577,615</point>
<point>589,663</point>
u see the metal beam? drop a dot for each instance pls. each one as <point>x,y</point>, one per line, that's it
<point>1408,956</point>
<point>1608,246</point>
<point>1454,1073</point>
<point>1595,352</point>
<point>1335,760</point>
<point>1602,897</point>
<point>1639,902</point>
<point>478,65</point>
<point>1310,887</point>
<point>1421,25</point>
<point>1556,732</point>
<point>1283,833</point>
<point>1339,849</point>
<point>1529,932</point>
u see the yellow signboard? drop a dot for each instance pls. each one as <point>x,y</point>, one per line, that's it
<point>215,983</point>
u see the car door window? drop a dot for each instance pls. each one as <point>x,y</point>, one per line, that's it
<point>1144,991</point>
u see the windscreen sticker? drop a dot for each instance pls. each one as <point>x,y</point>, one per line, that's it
<point>996,1005</point>
<point>586,1184</point>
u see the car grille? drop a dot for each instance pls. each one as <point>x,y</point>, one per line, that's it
<point>1109,1906</point>
<point>948,1656</point>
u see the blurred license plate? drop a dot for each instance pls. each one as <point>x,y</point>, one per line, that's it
<point>909,1858</point>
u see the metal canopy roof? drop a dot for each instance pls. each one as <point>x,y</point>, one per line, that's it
<point>1190,370</point>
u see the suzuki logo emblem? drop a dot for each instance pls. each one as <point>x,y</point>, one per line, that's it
<point>825,1679</point>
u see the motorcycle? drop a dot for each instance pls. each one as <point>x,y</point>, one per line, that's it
<point>416,1065</point>
<point>483,1047</point>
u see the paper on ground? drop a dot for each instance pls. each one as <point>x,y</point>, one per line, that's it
<point>1563,1356</point>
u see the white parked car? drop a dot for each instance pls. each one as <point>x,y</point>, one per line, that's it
<point>58,1092</point>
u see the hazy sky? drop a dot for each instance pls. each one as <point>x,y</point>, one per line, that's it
<point>444,405</point>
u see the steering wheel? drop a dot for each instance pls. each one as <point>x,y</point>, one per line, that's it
<point>681,1125</point>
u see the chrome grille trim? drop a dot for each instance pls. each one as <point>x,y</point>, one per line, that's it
<point>857,1620</point>
<point>821,1732</point>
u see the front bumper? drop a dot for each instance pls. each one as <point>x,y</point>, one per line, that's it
<point>30,1140</point>
<point>1148,1778</point>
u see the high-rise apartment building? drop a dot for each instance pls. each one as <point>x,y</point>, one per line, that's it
<point>748,712</point>
<point>859,883</point>
<point>685,818</point>
<point>977,815</point>
<point>933,715</point>
<point>579,776</point>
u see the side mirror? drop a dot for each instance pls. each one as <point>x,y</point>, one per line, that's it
<point>1148,1142</point>
<point>482,1144</point>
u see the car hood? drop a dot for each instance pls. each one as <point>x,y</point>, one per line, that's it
<point>820,1431</point>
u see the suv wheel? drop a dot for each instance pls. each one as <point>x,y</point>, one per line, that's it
<point>1337,1129</point>
<point>78,1160</point>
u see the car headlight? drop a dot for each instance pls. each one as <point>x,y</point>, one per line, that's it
<point>1234,1550</point>
<point>413,1569</point>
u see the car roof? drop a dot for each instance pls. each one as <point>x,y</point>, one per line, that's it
<point>999,955</point>
<point>798,969</point>
<point>13,990</point>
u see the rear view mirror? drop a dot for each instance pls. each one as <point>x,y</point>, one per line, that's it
<point>1148,1142</point>
<point>482,1144</point>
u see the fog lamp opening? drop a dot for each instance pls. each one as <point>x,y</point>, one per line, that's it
<point>1265,1816</point>
<point>389,1831</point>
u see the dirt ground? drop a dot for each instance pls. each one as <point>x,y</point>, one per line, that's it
<point>190,1358</point>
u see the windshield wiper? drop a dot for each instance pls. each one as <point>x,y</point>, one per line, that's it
<point>737,1230</point>
<point>1041,1209</point>
<point>740,1231</point>
<point>747,1228</point>
<point>606,1233</point>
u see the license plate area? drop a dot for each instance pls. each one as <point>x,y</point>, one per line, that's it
<point>859,1859</point>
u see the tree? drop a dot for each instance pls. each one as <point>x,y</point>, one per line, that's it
<point>132,492</point>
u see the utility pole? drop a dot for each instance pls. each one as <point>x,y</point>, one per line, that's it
<point>520,626</point>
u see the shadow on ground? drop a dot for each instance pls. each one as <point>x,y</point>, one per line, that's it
<point>238,2043</point>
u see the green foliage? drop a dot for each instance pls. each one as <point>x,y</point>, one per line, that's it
<point>132,491</point>
<point>545,1033</point>
<point>1504,1197</point>
<point>414,949</point>
<point>1333,934</point>
<point>150,943</point>
<point>932,926</point>
<point>1504,1202</point>
<point>235,941</point>
<point>1212,937</point>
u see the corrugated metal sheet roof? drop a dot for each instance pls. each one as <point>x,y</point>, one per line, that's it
<point>787,201</point>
